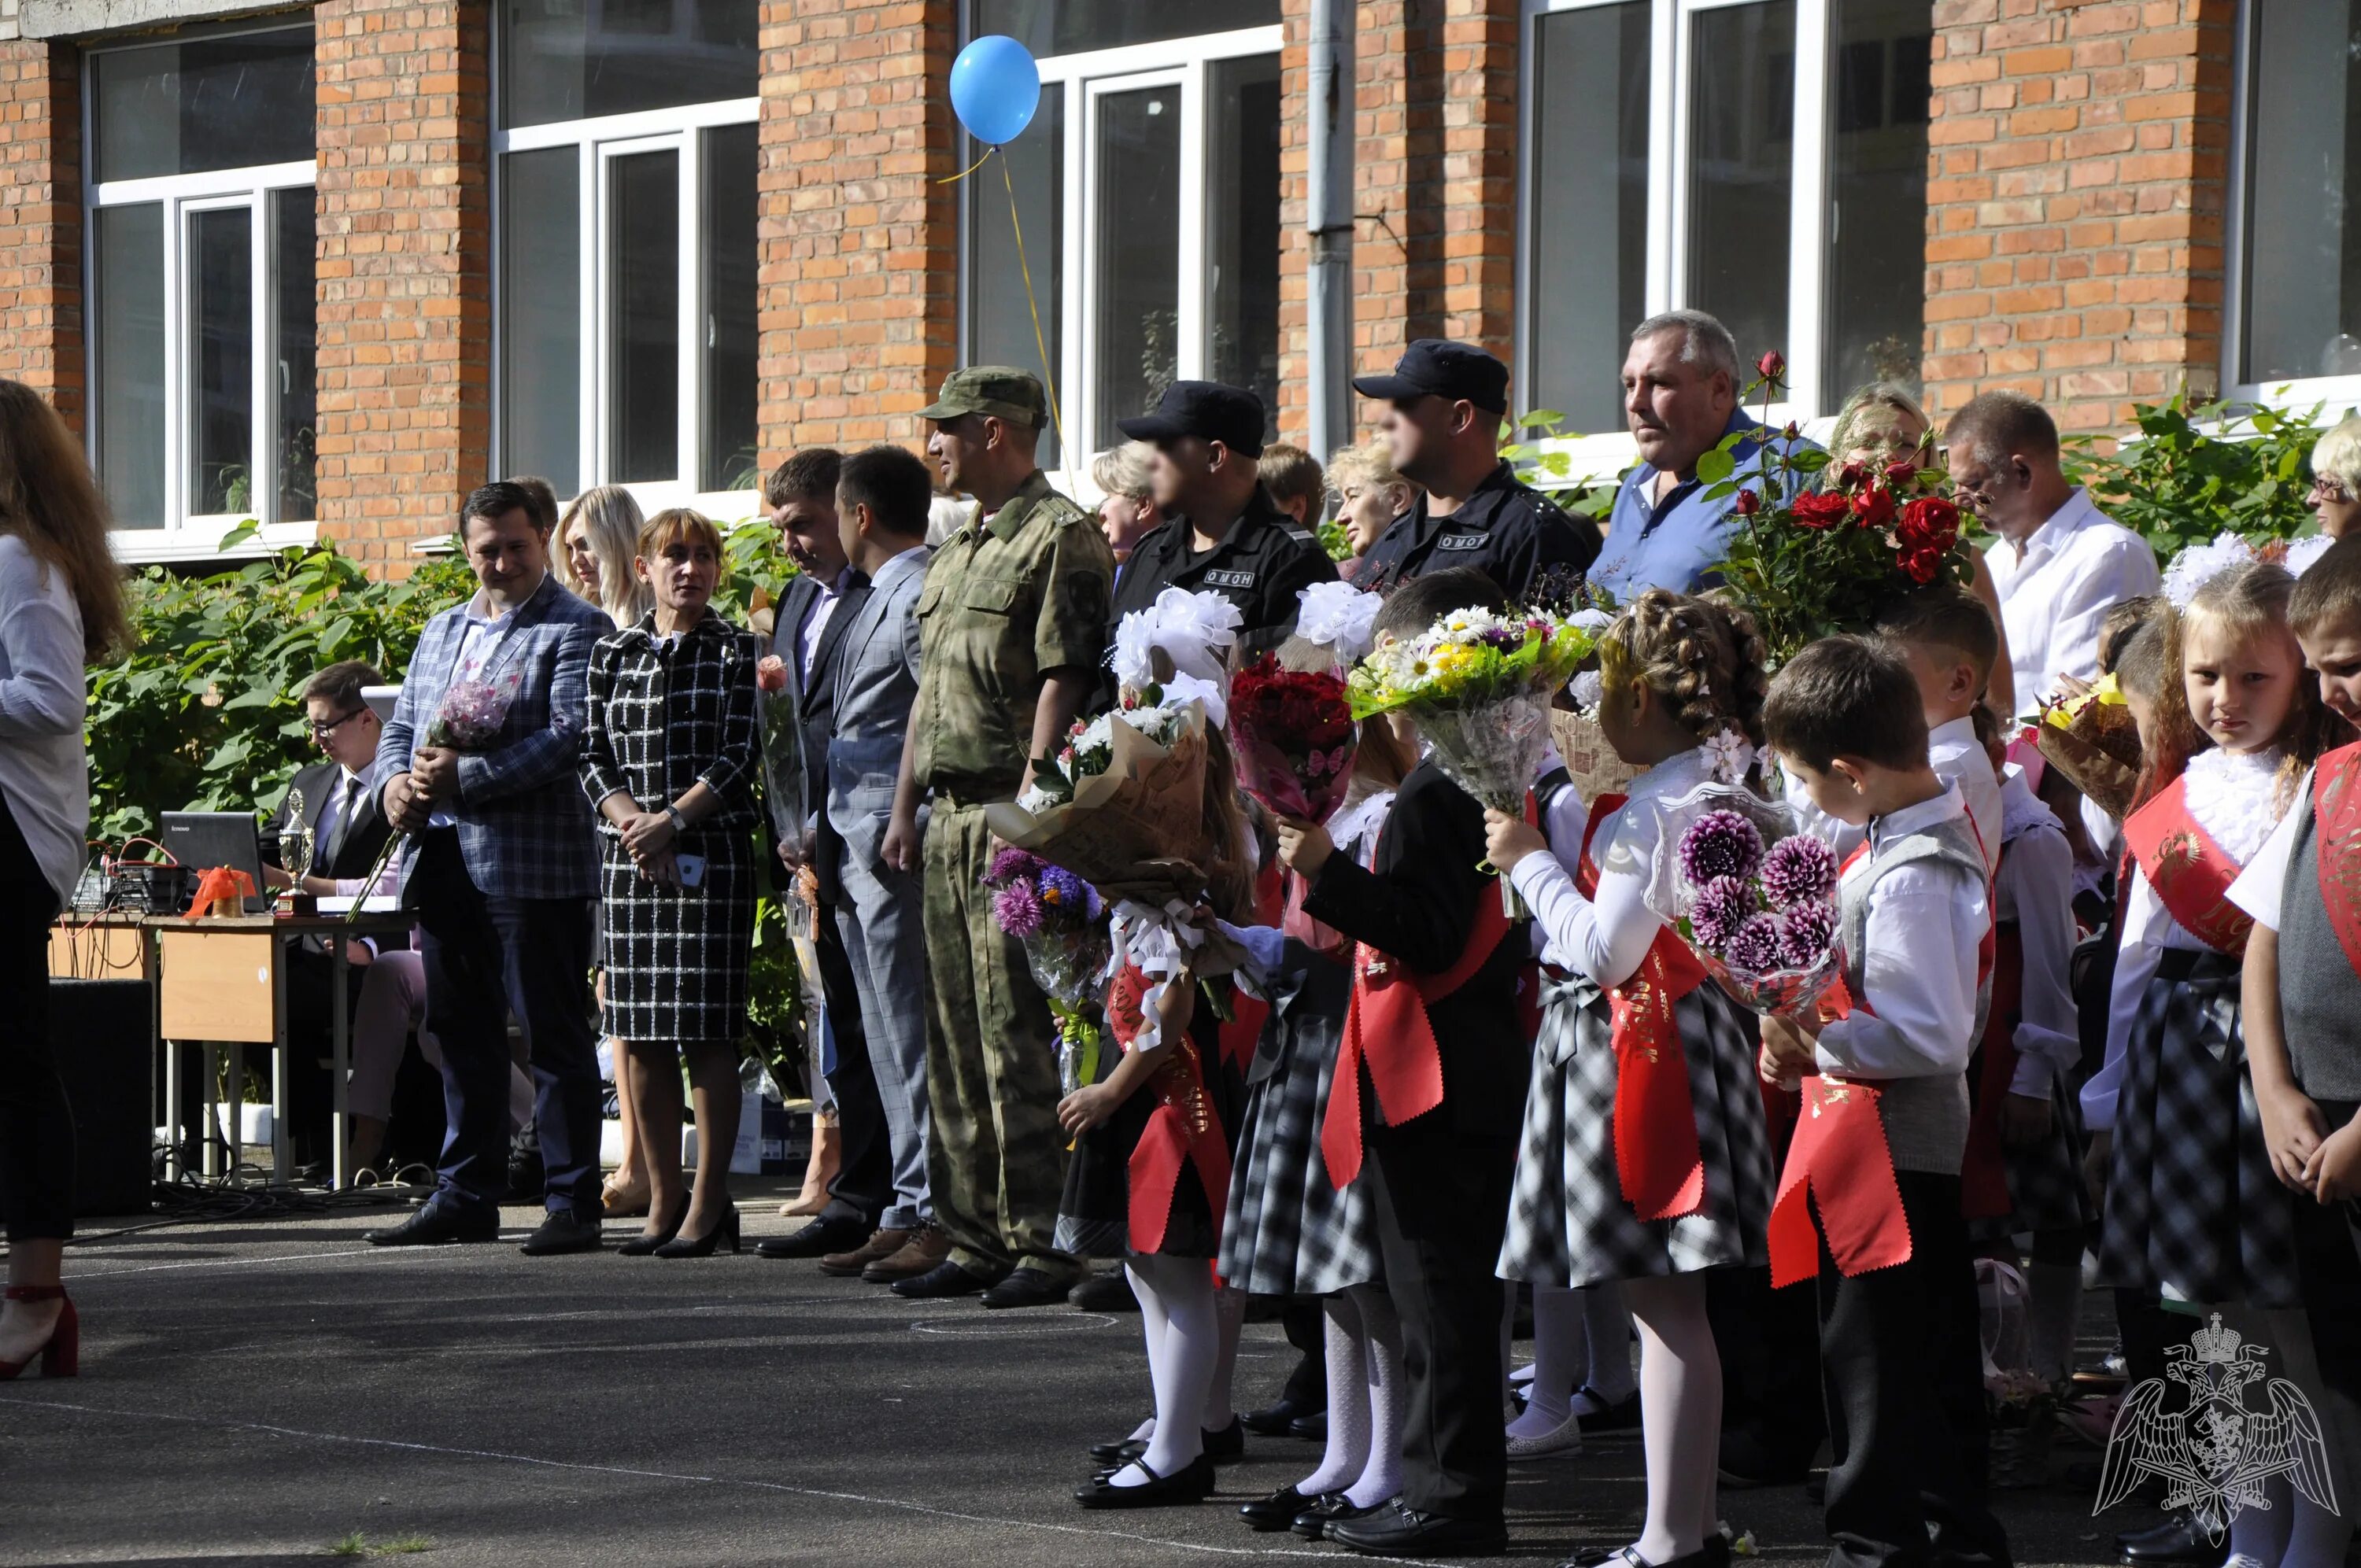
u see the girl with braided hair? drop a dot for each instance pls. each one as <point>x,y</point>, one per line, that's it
<point>1644,1159</point>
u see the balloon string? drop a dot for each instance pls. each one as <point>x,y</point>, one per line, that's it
<point>1040,345</point>
<point>971,168</point>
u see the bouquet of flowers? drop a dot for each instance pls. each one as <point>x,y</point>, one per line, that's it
<point>1480,684</point>
<point>2093,741</point>
<point>1061,922</point>
<point>1293,734</point>
<point>469,719</point>
<point>1759,910</point>
<point>783,751</point>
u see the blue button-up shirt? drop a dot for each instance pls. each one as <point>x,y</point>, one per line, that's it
<point>1678,541</point>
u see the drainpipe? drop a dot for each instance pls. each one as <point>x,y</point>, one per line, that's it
<point>1328,217</point>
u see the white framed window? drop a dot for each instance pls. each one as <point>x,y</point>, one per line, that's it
<point>1762,160</point>
<point>623,193</point>
<point>1146,188</point>
<point>198,273</point>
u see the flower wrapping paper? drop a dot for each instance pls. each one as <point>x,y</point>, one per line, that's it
<point>1766,930</point>
<point>1293,736</point>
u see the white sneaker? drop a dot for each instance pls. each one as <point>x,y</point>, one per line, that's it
<point>1561,1441</point>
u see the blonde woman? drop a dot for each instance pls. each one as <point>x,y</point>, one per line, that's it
<point>2335,496</point>
<point>1128,514</point>
<point>1370,494</point>
<point>595,540</point>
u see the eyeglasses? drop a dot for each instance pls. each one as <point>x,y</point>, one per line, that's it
<point>322,731</point>
<point>2327,489</point>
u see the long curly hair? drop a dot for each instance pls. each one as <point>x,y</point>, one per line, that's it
<point>1702,658</point>
<point>49,500</point>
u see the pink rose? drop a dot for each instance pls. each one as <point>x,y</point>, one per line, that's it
<point>771,674</point>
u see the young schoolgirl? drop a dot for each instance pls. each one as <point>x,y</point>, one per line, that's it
<point>1644,1158</point>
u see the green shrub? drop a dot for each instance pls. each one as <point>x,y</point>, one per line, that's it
<point>2193,473</point>
<point>1551,473</point>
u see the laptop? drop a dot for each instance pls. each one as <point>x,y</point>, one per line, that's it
<point>203,839</point>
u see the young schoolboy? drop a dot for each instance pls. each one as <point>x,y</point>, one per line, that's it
<point>1885,1090</point>
<point>1292,477</point>
<point>1435,983</point>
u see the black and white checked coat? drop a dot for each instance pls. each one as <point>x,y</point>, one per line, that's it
<point>665,717</point>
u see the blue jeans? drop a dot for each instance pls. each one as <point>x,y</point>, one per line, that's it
<point>486,957</point>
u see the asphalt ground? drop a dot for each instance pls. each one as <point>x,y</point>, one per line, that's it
<point>257,1391</point>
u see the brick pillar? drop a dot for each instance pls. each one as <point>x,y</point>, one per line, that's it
<point>404,263</point>
<point>40,221</point>
<point>1294,244</point>
<point>859,243</point>
<point>2076,203</point>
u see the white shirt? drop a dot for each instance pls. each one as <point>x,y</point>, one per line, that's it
<point>2233,798</point>
<point>1958,758</point>
<point>2055,592</point>
<point>44,771</point>
<point>2261,886</point>
<point>1608,935</point>
<point>2034,887</point>
<point>1922,930</point>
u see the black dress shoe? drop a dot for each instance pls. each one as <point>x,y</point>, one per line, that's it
<point>1105,1293</point>
<point>562,1232</point>
<point>1272,1420</point>
<point>1275,1512</point>
<point>1113,1453</point>
<point>1228,1445</point>
<point>817,1239</point>
<point>2175,1543</point>
<point>1623,1415</point>
<point>1193,1482</point>
<point>945,1279</point>
<point>436,1225</point>
<point>1394,1529</point>
<point>1313,1428</point>
<point>1028,1287</point>
<point>1326,1509</point>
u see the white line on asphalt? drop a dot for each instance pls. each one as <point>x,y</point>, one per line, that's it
<point>83,1274</point>
<point>861,1499</point>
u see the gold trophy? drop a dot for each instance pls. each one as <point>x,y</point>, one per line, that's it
<point>295,841</point>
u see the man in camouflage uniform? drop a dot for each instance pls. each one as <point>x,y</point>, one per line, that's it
<point>1011,625</point>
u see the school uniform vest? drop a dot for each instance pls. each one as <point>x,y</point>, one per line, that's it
<point>2320,989</point>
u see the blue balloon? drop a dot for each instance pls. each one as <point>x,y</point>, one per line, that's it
<point>996,87</point>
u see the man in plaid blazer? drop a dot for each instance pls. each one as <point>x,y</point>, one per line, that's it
<point>501,866</point>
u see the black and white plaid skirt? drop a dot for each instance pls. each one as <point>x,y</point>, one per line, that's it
<point>2045,1178</point>
<point>2192,1206</point>
<point>1288,1231</point>
<point>677,957</point>
<point>1569,1222</point>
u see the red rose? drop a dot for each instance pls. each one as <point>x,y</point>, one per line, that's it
<point>1922,564</point>
<point>1748,503</point>
<point>1930,523</point>
<point>1852,475</point>
<point>1791,432</point>
<point>1819,509</point>
<point>1771,367</point>
<point>1874,507</point>
<point>1901,471</point>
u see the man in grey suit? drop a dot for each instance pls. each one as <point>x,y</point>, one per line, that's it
<point>881,498</point>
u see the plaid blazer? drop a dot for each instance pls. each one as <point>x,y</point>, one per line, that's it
<point>524,829</point>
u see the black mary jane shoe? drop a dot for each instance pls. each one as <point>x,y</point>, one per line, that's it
<point>2175,1543</point>
<point>1275,1512</point>
<point>1119,1453</point>
<point>1228,1445</point>
<point>1272,1420</point>
<point>1312,1522</point>
<point>1193,1482</point>
<point>1714,1553</point>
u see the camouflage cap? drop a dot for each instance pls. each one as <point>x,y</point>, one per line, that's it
<point>1000,390</point>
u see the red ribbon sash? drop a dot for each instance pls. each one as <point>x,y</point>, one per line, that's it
<point>1983,1185</point>
<point>2336,828</point>
<point>2191,872</point>
<point>1243,1030</point>
<point>1182,1129</point>
<point>1840,1159</point>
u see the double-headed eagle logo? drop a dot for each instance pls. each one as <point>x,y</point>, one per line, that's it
<point>2216,1452</point>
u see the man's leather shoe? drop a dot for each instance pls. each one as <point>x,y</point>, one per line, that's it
<point>562,1232</point>
<point>1193,1483</point>
<point>1272,1420</point>
<point>1394,1529</point>
<point>1108,1292</point>
<point>817,1239</point>
<point>1275,1512</point>
<point>945,1279</point>
<point>435,1225</point>
<point>1031,1287</point>
<point>928,1245</point>
<point>881,1244</point>
<point>2175,1543</point>
<point>1313,1428</point>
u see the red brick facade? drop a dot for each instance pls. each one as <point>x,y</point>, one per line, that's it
<point>2076,201</point>
<point>40,221</point>
<point>404,271</point>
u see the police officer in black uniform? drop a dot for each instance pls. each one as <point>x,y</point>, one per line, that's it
<point>1222,531</point>
<point>1448,402</point>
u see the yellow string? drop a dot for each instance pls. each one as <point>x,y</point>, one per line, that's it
<point>971,168</point>
<point>1040,345</point>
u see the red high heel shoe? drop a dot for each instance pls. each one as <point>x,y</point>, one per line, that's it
<point>62,1357</point>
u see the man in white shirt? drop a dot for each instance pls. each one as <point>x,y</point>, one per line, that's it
<point>2058,564</point>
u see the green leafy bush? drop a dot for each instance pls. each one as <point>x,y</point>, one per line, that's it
<point>1551,473</point>
<point>2193,473</point>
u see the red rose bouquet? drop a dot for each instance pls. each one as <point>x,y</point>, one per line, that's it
<point>1293,736</point>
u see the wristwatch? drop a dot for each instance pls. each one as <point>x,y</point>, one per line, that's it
<point>672,814</point>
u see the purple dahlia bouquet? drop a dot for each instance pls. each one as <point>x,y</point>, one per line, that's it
<point>1756,902</point>
<point>1061,922</point>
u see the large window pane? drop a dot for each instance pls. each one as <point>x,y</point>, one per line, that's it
<point>1741,154</point>
<point>128,268</point>
<point>1875,281</point>
<point>1066,26</point>
<point>999,322</point>
<point>568,59</point>
<point>292,320</point>
<point>1138,229</point>
<point>1586,284</point>
<point>221,355</point>
<point>1242,227</point>
<point>643,316</point>
<point>727,458</point>
<point>203,103</point>
<point>2302,244</point>
<point>541,316</point>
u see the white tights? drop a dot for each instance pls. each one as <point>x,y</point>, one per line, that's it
<point>1363,1459</point>
<point>1177,1318</point>
<point>1680,1404</point>
<point>1580,1336</point>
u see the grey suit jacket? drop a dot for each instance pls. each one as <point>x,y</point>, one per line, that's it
<point>876,681</point>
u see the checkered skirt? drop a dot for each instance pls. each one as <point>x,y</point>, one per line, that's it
<point>677,957</point>
<point>1568,1222</point>
<point>2045,1178</point>
<point>2192,1203</point>
<point>1288,1231</point>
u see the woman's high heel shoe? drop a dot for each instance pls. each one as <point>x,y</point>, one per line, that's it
<point>644,1244</point>
<point>62,1357</point>
<point>703,1246</point>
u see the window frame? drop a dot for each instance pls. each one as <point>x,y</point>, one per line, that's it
<point>598,139</point>
<point>182,534</point>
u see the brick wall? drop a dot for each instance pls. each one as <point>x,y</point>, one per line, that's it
<point>40,221</point>
<point>404,271</point>
<point>2076,194</point>
<point>859,268</point>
